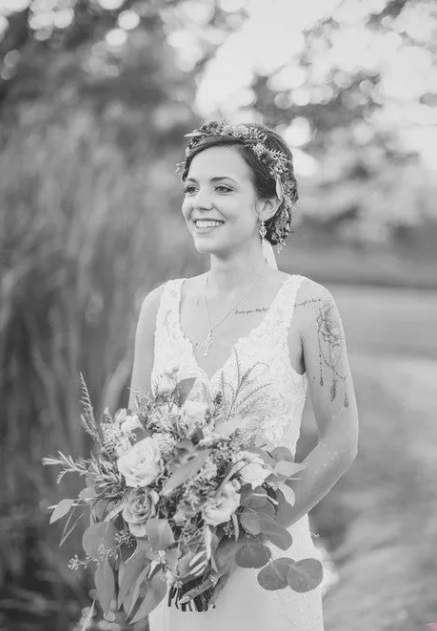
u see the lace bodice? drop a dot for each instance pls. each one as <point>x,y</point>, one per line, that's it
<point>272,404</point>
<point>274,396</point>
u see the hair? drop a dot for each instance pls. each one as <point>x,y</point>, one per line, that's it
<point>279,226</point>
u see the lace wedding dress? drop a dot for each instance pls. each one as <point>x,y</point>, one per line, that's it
<point>244,605</point>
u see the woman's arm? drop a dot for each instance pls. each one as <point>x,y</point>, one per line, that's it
<point>144,346</point>
<point>332,396</point>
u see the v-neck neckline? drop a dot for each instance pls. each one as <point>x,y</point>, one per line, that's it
<point>254,330</point>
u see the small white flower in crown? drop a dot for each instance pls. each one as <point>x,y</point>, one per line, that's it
<point>259,149</point>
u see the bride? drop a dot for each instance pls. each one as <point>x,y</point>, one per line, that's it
<point>239,193</point>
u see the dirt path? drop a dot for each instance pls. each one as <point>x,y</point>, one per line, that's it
<point>384,510</point>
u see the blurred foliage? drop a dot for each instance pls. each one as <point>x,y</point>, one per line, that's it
<point>368,184</point>
<point>95,97</point>
<point>90,138</point>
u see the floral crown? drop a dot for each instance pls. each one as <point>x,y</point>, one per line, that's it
<point>278,164</point>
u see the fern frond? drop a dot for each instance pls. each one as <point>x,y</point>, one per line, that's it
<point>87,406</point>
<point>253,392</point>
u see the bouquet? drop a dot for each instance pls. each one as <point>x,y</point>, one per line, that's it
<point>168,489</point>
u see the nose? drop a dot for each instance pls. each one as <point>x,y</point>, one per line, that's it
<point>202,199</point>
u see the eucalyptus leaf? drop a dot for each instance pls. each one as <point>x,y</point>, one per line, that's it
<point>284,467</point>
<point>155,592</point>
<point>128,574</point>
<point>99,509</point>
<point>266,509</point>
<point>289,494</point>
<point>250,522</point>
<point>70,525</point>
<point>133,596</point>
<point>61,510</point>
<point>254,554</point>
<point>88,493</point>
<point>275,533</point>
<point>100,533</point>
<point>145,546</point>
<point>159,533</point>
<point>285,513</point>
<point>282,453</point>
<point>105,584</point>
<point>274,575</point>
<point>305,575</point>
<point>184,387</point>
<point>185,472</point>
<point>253,498</point>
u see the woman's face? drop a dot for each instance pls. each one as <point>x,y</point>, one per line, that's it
<point>219,201</point>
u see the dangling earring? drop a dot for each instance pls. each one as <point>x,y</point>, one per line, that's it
<point>262,231</point>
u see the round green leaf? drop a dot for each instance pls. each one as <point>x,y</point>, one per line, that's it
<point>275,533</point>
<point>101,533</point>
<point>253,498</point>
<point>253,554</point>
<point>282,453</point>
<point>250,522</point>
<point>274,575</point>
<point>305,575</point>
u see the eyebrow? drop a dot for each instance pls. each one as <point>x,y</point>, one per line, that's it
<point>214,179</point>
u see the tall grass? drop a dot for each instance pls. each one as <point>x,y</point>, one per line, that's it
<point>85,233</point>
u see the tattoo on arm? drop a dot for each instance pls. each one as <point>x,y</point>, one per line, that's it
<point>256,310</point>
<point>331,342</point>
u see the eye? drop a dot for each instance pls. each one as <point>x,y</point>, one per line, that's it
<point>189,189</point>
<point>223,189</point>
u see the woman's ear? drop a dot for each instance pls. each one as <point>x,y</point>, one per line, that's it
<point>268,207</point>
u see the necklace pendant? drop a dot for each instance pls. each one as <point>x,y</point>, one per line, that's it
<point>208,342</point>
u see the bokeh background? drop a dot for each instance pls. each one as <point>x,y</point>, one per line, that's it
<point>95,98</point>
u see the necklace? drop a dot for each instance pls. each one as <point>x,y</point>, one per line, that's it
<point>208,339</point>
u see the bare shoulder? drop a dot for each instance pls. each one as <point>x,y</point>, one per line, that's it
<point>150,304</point>
<point>313,303</point>
<point>311,290</point>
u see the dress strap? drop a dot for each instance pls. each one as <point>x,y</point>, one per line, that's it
<point>165,317</point>
<point>285,306</point>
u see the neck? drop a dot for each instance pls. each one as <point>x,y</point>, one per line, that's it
<point>234,274</point>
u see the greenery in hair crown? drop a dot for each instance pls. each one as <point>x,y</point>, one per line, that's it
<point>278,164</point>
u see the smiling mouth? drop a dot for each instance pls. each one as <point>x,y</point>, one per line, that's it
<point>207,222</point>
<point>205,225</point>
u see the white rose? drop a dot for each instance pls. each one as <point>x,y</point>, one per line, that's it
<point>141,464</point>
<point>220,510</point>
<point>253,471</point>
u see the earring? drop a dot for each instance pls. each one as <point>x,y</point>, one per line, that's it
<point>262,231</point>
